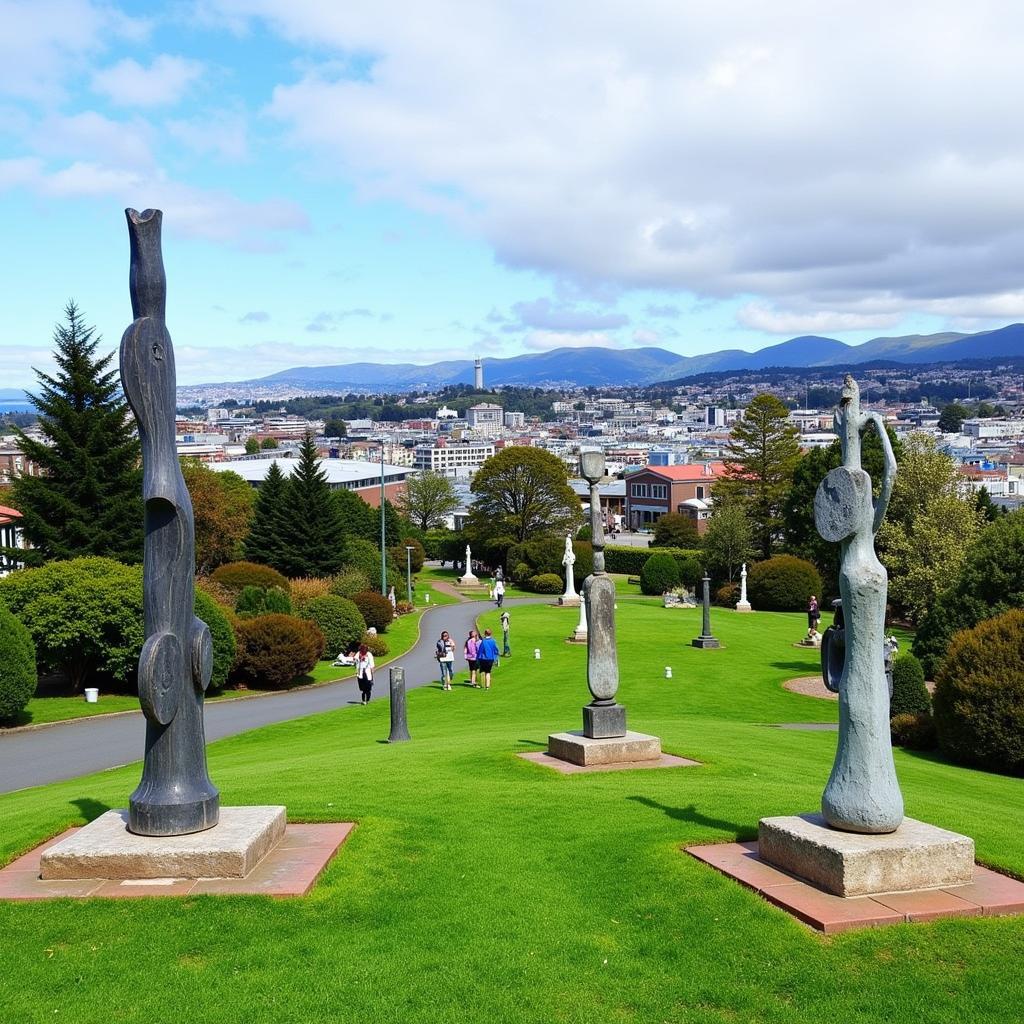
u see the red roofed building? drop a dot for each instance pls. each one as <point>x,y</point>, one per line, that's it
<point>10,537</point>
<point>657,490</point>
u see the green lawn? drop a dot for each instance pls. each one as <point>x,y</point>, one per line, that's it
<point>479,887</point>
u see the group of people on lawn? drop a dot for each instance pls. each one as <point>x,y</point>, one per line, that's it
<point>481,654</point>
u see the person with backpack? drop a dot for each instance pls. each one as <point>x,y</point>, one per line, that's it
<point>444,652</point>
<point>470,650</point>
<point>486,656</point>
<point>364,672</point>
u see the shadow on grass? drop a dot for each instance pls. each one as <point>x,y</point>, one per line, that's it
<point>532,743</point>
<point>804,667</point>
<point>90,809</point>
<point>694,817</point>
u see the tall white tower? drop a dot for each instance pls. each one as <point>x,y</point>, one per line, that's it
<point>478,375</point>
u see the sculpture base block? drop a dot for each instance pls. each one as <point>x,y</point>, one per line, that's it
<point>915,856</point>
<point>468,581</point>
<point>569,602</point>
<point>743,606</point>
<point>106,849</point>
<point>578,636</point>
<point>604,721</point>
<point>705,642</point>
<point>576,748</point>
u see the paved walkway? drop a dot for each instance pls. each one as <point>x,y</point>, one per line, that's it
<point>34,757</point>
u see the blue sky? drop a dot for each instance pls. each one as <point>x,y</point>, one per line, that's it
<point>412,182</point>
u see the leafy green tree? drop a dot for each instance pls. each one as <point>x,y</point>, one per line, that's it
<point>17,666</point>
<point>988,508</point>
<point>310,528</point>
<point>263,544</point>
<point>359,519</point>
<point>728,539</point>
<point>763,453</point>
<point>675,530</point>
<point>222,506</point>
<point>951,418</point>
<point>87,499</point>
<point>252,445</point>
<point>335,428</point>
<point>928,529</point>
<point>521,492</point>
<point>268,444</point>
<point>429,499</point>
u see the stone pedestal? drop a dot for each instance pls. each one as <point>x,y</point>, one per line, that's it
<point>915,856</point>
<point>705,642</point>
<point>604,721</point>
<point>469,580</point>
<point>743,606</point>
<point>576,748</point>
<point>571,601</point>
<point>106,849</point>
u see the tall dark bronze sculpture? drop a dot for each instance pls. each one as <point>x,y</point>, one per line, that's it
<point>175,795</point>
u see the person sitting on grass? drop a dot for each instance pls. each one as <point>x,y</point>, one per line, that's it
<point>486,656</point>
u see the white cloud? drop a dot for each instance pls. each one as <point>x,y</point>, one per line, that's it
<point>547,315</point>
<point>708,148</point>
<point>760,317</point>
<point>545,341</point>
<point>128,84</point>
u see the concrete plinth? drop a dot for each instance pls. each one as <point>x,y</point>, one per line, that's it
<point>106,849</point>
<point>915,856</point>
<point>576,748</point>
<point>578,636</point>
<point>469,580</point>
<point>743,606</point>
<point>569,602</point>
<point>705,642</point>
<point>604,721</point>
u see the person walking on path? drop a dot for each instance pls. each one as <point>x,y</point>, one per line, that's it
<point>364,672</point>
<point>507,652</point>
<point>499,591</point>
<point>444,652</point>
<point>470,649</point>
<point>487,655</point>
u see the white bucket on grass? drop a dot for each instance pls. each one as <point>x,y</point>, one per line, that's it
<point>92,695</point>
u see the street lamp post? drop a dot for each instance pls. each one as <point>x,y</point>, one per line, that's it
<point>408,572</point>
<point>383,542</point>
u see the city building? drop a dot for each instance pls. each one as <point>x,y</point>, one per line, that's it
<point>485,418</point>
<point>515,420</point>
<point>657,490</point>
<point>451,458</point>
<point>11,538</point>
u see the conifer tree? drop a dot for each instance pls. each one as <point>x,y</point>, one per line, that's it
<point>311,528</point>
<point>265,535</point>
<point>87,499</point>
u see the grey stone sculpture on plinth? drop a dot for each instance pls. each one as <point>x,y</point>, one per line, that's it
<point>175,795</point>
<point>861,843</point>
<point>706,640</point>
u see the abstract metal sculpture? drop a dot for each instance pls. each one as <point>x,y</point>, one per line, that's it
<point>862,794</point>
<point>175,795</point>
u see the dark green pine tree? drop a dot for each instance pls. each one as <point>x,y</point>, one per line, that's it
<point>87,499</point>
<point>265,534</point>
<point>312,530</point>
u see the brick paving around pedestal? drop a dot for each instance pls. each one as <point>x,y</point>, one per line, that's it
<point>567,768</point>
<point>989,895</point>
<point>290,869</point>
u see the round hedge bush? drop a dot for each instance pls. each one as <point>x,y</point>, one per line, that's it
<point>659,575</point>
<point>237,575</point>
<point>350,582</point>
<point>909,694</point>
<point>782,584</point>
<point>979,695</point>
<point>727,595</point>
<point>307,588</point>
<point>546,583</point>
<point>275,649</point>
<point>339,620</point>
<point>17,666</point>
<point>915,732</point>
<point>376,645</point>
<point>254,601</point>
<point>375,609</point>
<point>223,636</point>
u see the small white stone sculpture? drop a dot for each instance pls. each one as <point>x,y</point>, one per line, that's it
<point>743,605</point>
<point>469,580</point>
<point>570,597</point>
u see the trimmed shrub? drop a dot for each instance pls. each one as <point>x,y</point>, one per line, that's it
<point>546,583</point>
<point>915,732</point>
<point>630,560</point>
<point>660,574</point>
<point>521,573</point>
<point>675,530</point>
<point>223,636</point>
<point>253,601</point>
<point>339,620</point>
<point>217,592</point>
<point>275,649</point>
<point>691,570</point>
<point>727,595</point>
<point>375,609</point>
<point>238,575</point>
<point>364,556</point>
<point>909,694</point>
<point>782,584</point>
<point>979,695</point>
<point>307,588</point>
<point>375,644</point>
<point>350,582</point>
<point>543,556</point>
<point>405,607</point>
<point>17,666</point>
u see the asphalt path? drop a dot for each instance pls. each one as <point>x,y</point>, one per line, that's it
<point>66,750</point>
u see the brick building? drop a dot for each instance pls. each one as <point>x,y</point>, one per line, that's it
<point>657,490</point>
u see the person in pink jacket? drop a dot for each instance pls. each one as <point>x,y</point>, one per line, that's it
<point>470,650</point>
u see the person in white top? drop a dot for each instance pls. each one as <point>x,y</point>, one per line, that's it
<point>364,672</point>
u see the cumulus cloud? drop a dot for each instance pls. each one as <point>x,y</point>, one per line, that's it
<point>545,341</point>
<point>256,316</point>
<point>777,321</point>
<point>330,321</point>
<point>547,315</point>
<point>707,148</point>
<point>128,84</point>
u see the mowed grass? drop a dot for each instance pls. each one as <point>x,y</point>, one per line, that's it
<point>479,887</point>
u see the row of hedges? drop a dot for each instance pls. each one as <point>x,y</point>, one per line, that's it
<point>543,557</point>
<point>628,560</point>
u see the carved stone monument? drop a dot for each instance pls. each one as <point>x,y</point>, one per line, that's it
<point>579,634</point>
<point>468,579</point>
<point>605,738</point>
<point>862,796</point>
<point>743,605</point>
<point>570,597</point>
<point>707,640</point>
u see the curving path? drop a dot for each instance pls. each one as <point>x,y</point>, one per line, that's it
<point>33,757</point>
